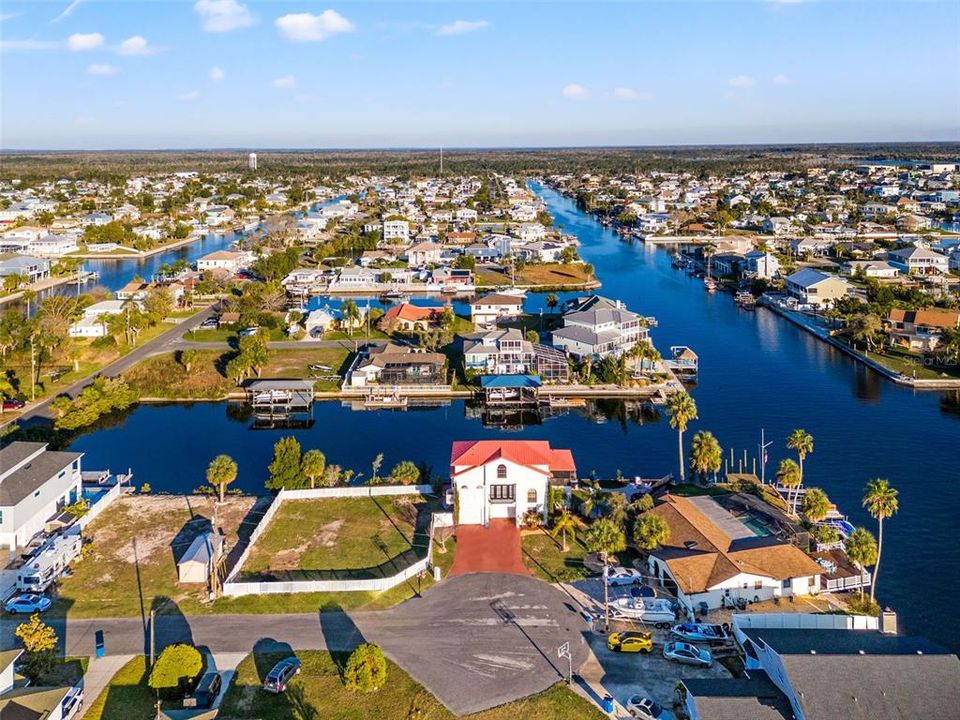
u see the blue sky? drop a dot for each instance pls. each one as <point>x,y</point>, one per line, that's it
<point>90,74</point>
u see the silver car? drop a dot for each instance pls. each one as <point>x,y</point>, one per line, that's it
<point>688,654</point>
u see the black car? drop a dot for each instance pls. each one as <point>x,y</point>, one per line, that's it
<point>207,690</point>
<point>281,674</point>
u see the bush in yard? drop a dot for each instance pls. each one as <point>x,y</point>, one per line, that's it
<point>40,642</point>
<point>366,669</point>
<point>178,666</point>
<point>405,473</point>
<point>284,469</point>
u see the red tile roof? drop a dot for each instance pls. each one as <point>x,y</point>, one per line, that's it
<point>534,454</point>
<point>406,311</point>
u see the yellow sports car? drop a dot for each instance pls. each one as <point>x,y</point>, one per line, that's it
<point>630,642</point>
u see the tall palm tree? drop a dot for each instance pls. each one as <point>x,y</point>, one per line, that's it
<point>706,455</point>
<point>221,472</point>
<point>788,475</point>
<point>605,538</point>
<point>682,410</point>
<point>815,504</point>
<point>802,442</point>
<point>350,313</point>
<point>650,532</point>
<point>566,523</point>
<point>861,548</point>
<point>552,302</point>
<point>312,465</point>
<point>881,502</point>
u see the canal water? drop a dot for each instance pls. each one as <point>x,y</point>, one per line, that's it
<point>758,371</point>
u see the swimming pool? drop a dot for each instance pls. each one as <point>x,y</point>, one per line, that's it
<point>94,493</point>
<point>758,528</point>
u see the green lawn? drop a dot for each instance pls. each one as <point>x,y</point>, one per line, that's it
<point>319,693</point>
<point>912,364</point>
<point>544,557</point>
<point>127,697</point>
<point>334,534</point>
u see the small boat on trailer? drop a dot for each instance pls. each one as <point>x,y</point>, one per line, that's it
<point>702,633</point>
<point>655,611</point>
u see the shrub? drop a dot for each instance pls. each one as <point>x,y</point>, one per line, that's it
<point>177,667</point>
<point>366,669</point>
<point>405,473</point>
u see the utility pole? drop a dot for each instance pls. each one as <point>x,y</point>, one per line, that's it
<point>763,457</point>
<point>153,616</point>
<point>606,595</point>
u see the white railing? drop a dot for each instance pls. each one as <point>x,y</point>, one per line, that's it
<point>234,588</point>
<point>851,582</point>
<point>802,621</point>
<point>101,504</point>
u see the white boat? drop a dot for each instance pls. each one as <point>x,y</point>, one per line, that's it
<point>656,611</point>
<point>519,292</point>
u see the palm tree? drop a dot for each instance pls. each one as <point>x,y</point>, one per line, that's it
<point>706,455</point>
<point>350,313</point>
<point>312,465</point>
<point>861,548</point>
<point>650,532</point>
<point>566,523</point>
<point>682,410</point>
<point>788,475</point>
<point>221,472</point>
<point>815,504</point>
<point>802,442</point>
<point>881,502</point>
<point>605,538</point>
<point>552,302</point>
<point>616,508</point>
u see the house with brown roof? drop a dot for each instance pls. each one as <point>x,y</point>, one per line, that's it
<point>713,556</point>
<point>407,317</point>
<point>393,364</point>
<point>921,329</point>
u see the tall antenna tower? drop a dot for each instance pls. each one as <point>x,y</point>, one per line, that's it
<point>441,160</point>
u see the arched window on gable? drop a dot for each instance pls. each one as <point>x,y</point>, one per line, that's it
<point>501,472</point>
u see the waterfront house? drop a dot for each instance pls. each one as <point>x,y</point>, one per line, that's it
<point>918,261</point>
<point>761,264</point>
<point>879,269</point>
<point>487,311</point>
<point>713,556</point>
<point>318,322</point>
<point>921,329</point>
<point>778,226</point>
<point>808,671</point>
<point>91,325</point>
<point>54,245</point>
<point>406,317</point>
<point>424,253</point>
<point>27,266</point>
<point>505,479</point>
<point>35,484</point>
<point>498,352</point>
<point>811,287</point>
<point>529,232</point>
<point>133,290</point>
<point>598,327</point>
<point>229,260</point>
<point>542,251</point>
<point>393,364</point>
<point>727,264</point>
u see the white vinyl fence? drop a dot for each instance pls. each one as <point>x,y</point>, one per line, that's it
<point>235,588</point>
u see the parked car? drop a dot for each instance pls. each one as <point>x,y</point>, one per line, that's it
<point>12,404</point>
<point>247,332</point>
<point>207,690</point>
<point>687,654</point>
<point>646,709</point>
<point>28,603</point>
<point>281,674</point>
<point>623,576</point>
<point>631,642</point>
<point>209,323</point>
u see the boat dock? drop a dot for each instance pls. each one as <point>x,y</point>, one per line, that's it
<point>281,403</point>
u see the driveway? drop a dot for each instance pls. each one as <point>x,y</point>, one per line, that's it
<point>481,640</point>
<point>492,549</point>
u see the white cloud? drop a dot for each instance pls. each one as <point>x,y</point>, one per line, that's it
<point>216,74</point>
<point>101,69</point>
<point>135,45</point>
<point>84,41</point>
<point>741,82</point>
<point>781,80</point>
<point>191,96</point>
<point>9,16</point>
<point>287,82</point>
<point>574,91</point>
<point>462,27</point>
<point>220,16</point>
<point>305,27</point>
<point>626,93</point>
<point>67,11</point>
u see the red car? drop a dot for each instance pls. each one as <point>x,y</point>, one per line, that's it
<point>13,404</point>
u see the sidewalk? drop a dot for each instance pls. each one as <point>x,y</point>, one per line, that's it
<point>99,673</point>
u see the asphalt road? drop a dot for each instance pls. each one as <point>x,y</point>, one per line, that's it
<point>474,641</point>
<point>162,343</point>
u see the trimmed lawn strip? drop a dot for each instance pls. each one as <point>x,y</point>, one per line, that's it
<point>127,697</point>
<point>544,557</point>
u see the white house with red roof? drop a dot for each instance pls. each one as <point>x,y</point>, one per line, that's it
<point>506,478</point>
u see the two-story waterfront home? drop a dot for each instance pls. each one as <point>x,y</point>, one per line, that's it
<point>488,310</point>
<point>918,261</point>
<point>25,266</point>
<point>35,483</point>
<point>712,555</point>
<point>598,327</point>
<point>811,287</point>
<point>921,329</point>
<point>498,352</point>
<point>496,479</point>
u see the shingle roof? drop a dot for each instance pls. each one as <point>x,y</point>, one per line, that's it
<point>23,481</point>
<point>749,698</point>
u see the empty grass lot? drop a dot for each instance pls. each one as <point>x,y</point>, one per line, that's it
<point>545,558</point>
<point>333,534</point>
<point>319,693</point>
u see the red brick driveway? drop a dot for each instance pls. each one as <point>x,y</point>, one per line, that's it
<point>492,549</point>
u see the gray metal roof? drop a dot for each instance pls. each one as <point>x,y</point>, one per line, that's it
<point>750,698</point>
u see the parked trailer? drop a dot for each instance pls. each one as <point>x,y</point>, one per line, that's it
<point>43,568</point>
